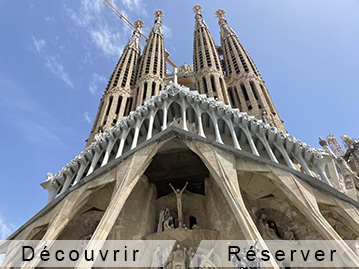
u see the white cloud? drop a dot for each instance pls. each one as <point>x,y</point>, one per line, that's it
<point>167,31</point>
<point>5,229</point>
<point>107,41</point>
<point>39,135</point>
<point>57,68</point>
<point>2,257</point>
<point>49,19</point>
<point>39,44</point>
<point>101,27</point>
<point>89,12</point>
<point>87,117</point>
<point>97,83</point>
<point>135,5</point>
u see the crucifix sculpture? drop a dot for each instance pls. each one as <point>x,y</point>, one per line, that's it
<point>178,193</point>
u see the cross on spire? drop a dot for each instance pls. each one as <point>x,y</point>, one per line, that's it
<point>220,13</point>
<point>197,9</point>
<point>138,24</point>
<point>158,15</point>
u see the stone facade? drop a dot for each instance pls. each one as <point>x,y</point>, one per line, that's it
<point>189,167</point>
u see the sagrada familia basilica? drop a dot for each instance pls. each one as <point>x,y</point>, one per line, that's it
<point>198,154</point>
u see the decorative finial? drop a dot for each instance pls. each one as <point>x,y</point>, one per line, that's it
<point>322,142</point>
<point>197,9</point>
<point>220,13</point>
<point>158,15</point>
<point>139,24</point>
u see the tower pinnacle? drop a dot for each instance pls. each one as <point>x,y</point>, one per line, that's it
<point>152,66</point>
<point>138,24</point>
<point>117,101</point>
<point>209,77</point>
<point>246,89</point>
<point>158,15</point>
<point>220,13</point>
<point>197,9</point>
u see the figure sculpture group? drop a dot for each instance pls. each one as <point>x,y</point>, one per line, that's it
<point>177,257</point>
<point>166,221</point>
<point>269,230</point>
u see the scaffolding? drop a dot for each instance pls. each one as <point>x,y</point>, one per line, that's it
<point>335,146</point>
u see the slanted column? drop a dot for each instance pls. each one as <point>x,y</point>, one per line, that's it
<point>320,163</point>
<point>200,125</point>
<point>214,119</point>
<point>298,149</point>
<point>304,199</point>
<point>244,127</point>
<point>233,134</point>
<point>250,140</point>
<point>136,134</point>
<point>184,116</point>
<point>51,185</point>
<point>98,151</point>
<point>67,210</point>
<point>122,142</point>
<point>165,111</point>
<point>111,142</point>
<point>279,143</point>
<point>83,158</point>
<point>68,178</point>
<point>127,177</point>
<point>150,124</point>
<point>222,166</point>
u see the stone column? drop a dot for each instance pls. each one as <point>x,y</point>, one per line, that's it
<point>222,166</point>
<point>126,179</point>
<point>65,212</point>
<point>306,202</point>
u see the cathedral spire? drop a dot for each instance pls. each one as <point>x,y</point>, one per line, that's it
<point>117,101</point>
<point>209,77</point>
<point>246,88</point>
<point>152,66</point>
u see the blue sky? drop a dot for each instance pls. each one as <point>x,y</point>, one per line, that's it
<point>56,58</point>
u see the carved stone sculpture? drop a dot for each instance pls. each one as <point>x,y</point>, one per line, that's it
<point>289,234</point>
<point>156,258</point>
<point>206,261</point>
<point>267,118</point>
<point>168,224</point>
<point>179,257</point>
<point>267,232</point>
<point>178,193</point>
<point>51,185</point>
<point>165,221</point>
<point>189,253</point>
<point>161,220</point>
